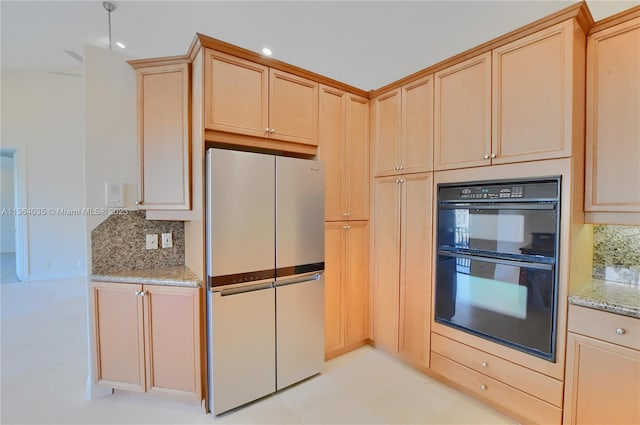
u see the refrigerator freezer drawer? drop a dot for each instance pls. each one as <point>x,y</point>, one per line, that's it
<point>241,347</point>
<point>300,330</point>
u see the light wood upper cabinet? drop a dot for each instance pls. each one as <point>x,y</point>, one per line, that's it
<point>603,368</point>
<point>346,285</point>
<point>247,98</point>
<point>521,102</point>
<point>613,123</point>
<point>147,338</point>
<point>344,148</point>
<point>237,95</point>
<point>402,266</point>
<point>462,114</point>
<point>533,95</point>
<point>386,117</point>
<point>293,108</point>
<point>403,129</point>
<point>416,149</point>
<point>163,137</point>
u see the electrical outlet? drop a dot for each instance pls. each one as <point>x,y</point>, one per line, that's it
<point>152,241</point>
<point>167,240</point>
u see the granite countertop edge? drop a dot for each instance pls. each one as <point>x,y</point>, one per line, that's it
<point>168,276</point>
<point>608,296</point>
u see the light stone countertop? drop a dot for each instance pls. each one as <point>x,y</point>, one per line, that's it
<point>606,295</point>
<point>167,276</point>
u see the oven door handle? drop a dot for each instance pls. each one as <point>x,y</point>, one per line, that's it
<point>527,264</point>
<point>509,206</point>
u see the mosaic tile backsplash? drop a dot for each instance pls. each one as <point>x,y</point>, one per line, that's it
<point>118,244</point>
<point>616,253</point>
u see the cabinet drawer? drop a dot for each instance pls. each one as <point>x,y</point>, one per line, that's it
<point>527,380</point>
<point>521,405</point>
<point>610,327</point>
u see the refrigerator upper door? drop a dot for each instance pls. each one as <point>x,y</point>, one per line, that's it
<point>241,212</point>
<point>300,214</point>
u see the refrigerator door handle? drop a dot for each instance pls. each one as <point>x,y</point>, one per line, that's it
<point>304,277</point>
<point>245,289</point>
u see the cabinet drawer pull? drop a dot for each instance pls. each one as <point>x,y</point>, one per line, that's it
<point>401,167</point>
<point>485,156</point>
<point>266,130</point>
<point>493,155</point>
<point>483,387</point>
<point>621,331</point>
<point>484,364</point>
<point>273,130</point>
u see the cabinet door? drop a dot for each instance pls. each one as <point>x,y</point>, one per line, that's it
<point>462,114</point>
<point>357,164</point>
<point>533,96</point>
<point>333,288</point>
<point>613,123</point>
<point>236,96</point>
<point>601,383</point>
<point>415,268</point>
<point>356,282</point>
<point>386,262</point>
<point>386,116</point>
<point>117,314</point>
<point>417,126</point>
<point>331,151</point>
<point>172,326</point>
<point>163,137</point>
<point>293,108</point>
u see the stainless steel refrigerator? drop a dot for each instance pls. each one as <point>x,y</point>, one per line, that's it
<point>265,263</point>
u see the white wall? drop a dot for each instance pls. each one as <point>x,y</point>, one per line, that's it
<point>111,150</point>
<point>42,117</point>
<point>8,240</point>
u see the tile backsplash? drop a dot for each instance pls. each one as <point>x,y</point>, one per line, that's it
<point>118,243</point>
<point>616,253</point>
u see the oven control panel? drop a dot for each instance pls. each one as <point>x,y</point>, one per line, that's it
<point>542,190</point>
<point>492,192</point>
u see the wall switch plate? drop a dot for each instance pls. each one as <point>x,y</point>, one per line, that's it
<point>152,241</point>
<point>114,194</point>
<point>167,240</point>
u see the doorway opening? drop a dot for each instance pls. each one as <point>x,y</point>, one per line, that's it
<point>12,223</point>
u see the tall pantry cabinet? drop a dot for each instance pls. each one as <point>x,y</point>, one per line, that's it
<point>344,149</point>
<point>402,220</point>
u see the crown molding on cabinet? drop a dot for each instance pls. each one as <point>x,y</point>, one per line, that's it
<point>578,11</point>
<point>168,60</point>
<point>616,19</point>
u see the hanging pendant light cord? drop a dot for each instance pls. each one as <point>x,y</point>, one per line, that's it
<point>110,7</point>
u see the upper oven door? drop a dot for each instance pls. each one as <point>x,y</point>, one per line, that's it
<point>528,229</point>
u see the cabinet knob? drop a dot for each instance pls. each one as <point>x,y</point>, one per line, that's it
<point>493,155</point>
<point>397,181</point>
<point>266,130</point>
<point>397,168</point>
<point>273,130</point>
<point>138,202</point>
<point>621,331</point>
<point>401,167</point>
<point>485,156</point>
<point>347,214</point>
<point>401,180</point>
<point>483,387</point>
<point>484,364</point>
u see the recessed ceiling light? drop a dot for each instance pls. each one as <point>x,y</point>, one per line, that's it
<point>120,45</point>
<point>267,51</point>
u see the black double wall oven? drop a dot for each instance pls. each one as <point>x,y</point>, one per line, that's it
<point>497,261</point>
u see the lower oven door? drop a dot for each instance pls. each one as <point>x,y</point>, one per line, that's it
<point>510,302</point>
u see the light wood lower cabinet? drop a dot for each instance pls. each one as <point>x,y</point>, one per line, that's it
<point>402,266</point>
<point>346,286</point>
<point>147,338</point>
<point>602,382</point>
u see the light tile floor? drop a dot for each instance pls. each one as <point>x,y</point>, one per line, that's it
<point>8,268</point>
<point>44,371</point>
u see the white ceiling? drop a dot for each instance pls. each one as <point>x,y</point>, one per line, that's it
<point>363,43</point>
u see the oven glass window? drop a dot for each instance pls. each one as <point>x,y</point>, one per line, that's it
<point>509,303</point>
<point>507,231</point>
